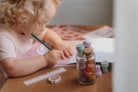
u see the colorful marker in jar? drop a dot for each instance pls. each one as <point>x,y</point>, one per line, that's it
<point>105,65</point>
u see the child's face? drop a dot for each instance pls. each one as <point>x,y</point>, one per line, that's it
<point>27,29</point>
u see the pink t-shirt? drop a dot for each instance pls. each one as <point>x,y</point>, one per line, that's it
<point>13,45</point>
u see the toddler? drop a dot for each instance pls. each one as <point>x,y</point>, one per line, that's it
<point>20,18</point>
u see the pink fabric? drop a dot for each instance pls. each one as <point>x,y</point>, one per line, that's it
<point>67,32</point>
<point>13,45</point>
<point>7,48</point>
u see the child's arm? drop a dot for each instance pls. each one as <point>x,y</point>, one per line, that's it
<point>53,39</point>
<point>20,67</point>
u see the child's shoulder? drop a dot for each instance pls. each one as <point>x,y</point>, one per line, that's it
<point>5,37</point>
<point>5,34</point>
<point>4,31</point>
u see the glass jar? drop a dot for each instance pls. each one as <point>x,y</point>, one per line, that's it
<point>86,66</point>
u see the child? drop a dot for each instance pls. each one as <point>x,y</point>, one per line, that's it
<point>20,18</point>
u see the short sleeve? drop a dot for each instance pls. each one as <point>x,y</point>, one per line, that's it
<point>7,48</point>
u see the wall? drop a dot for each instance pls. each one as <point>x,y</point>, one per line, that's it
<point>84,12</point>
<point>125,70</point>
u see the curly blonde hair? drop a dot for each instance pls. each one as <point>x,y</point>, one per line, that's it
<point>23,11</point>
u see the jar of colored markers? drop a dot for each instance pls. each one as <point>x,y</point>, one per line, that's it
<point>85,63</point>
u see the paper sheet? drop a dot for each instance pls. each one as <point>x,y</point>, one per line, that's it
<point>103,47</point>
<point>41,50</point>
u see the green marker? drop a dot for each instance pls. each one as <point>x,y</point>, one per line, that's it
<point>80,48</point>
<point>41,41</point>
<point>105,65</point>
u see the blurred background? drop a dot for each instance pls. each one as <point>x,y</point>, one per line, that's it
<point>101,12</point>
<point>84,12</point>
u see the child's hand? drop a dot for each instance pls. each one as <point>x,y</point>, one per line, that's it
<point>52,57</point>
<point>66,51</point>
